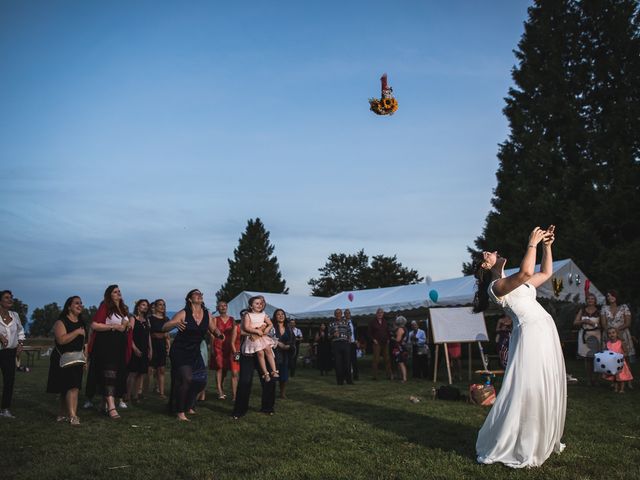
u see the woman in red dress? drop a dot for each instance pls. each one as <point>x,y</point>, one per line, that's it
<point>221,346</point>
<point>236,340</point>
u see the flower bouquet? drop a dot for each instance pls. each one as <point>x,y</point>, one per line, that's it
<point>386,104</point>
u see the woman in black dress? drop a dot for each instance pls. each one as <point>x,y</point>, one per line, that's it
<point>141,349</point>
<point>324,349</point>
<point>109,348</point>
<point>188,371</point>
<point>159,344</point>
<point>69,334</point>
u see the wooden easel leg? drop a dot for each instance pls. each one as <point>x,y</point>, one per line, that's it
<point>482,359</point>
<point>435,363</point>
<point>446,356</point>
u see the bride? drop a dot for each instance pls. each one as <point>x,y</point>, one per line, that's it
<point>526,422</point>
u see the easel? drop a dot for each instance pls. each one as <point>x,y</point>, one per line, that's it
<point>456,325</point>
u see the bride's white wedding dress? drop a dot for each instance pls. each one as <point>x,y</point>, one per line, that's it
<point>526,422</point>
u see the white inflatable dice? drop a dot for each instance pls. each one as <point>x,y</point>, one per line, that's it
<point>608,362</point>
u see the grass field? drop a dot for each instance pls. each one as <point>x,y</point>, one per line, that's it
<point>370,430</point>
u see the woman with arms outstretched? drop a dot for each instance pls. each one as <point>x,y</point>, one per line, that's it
<point>526,422</point>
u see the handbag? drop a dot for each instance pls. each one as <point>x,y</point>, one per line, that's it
<point>71,359</point>
<point>484,395</point>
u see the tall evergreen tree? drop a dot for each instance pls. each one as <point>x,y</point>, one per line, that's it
<point>572,155</point>
<point>253,267</point>
<point>612,43</point>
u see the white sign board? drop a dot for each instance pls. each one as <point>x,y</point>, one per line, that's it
<point>453,325</point>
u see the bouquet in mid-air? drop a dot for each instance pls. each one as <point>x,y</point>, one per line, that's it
<point>386,104</point>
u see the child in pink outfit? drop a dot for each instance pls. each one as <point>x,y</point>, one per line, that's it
<point>615,345</point>
<point>257,324</point>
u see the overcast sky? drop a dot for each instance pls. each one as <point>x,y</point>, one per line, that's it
<point>138,137</point>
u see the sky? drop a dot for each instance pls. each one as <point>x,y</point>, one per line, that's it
<point>138,137</point>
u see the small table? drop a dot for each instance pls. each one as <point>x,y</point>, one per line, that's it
<point>31,353</point>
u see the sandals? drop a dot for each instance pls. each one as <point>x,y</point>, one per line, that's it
<point>61,418</point>
<point>114,416</point>
<point>222,396</point>
<point>275,374</point>
<point>266,377</point>
<point>74,421</point>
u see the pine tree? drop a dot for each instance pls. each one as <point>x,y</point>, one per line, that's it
<point>572,156</point>
<point>253,267</point>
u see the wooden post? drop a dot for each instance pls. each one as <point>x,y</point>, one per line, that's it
<point>446,356</point>
<point>435,363</point>
<point>469,353</point>
<point>482,359</point>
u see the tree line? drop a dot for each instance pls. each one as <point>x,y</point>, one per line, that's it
<point>255,268</point>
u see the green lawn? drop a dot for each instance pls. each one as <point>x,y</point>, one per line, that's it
<point>370,430</point>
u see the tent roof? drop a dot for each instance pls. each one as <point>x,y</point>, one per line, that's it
<point>451,292</point>
<point>289,303</point>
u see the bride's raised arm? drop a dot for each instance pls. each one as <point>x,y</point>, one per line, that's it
<point>546,265</point>
<point>527,266</point>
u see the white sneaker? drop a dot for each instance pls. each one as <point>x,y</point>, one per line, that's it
<point>6,413</point>
<point>88,404</point>
<point>122,405</point>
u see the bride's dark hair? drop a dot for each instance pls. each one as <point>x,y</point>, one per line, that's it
<point>483,280</point>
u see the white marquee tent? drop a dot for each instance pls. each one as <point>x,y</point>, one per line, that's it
<point>289,303</point>
<point>451,292</point>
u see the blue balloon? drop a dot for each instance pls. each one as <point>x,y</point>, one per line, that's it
<point>433,295</point>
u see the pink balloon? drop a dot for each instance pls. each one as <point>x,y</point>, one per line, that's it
<point>350,297</point>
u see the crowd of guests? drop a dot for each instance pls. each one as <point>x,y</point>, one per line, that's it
<point>122,352</point>
<point>126,352</point>
<point>338,345</point>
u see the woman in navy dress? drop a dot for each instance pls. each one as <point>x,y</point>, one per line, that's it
<point>188,371</point>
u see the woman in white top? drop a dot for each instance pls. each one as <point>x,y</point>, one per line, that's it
<point>11,339</point>
<point>526,422</point>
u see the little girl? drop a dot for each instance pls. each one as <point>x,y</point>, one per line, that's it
<point>615,345</point>
<point>257,324</point>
